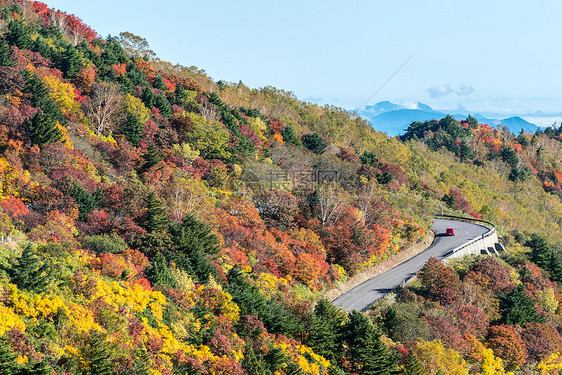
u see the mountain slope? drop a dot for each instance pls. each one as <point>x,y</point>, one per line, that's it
<point>155,221</point>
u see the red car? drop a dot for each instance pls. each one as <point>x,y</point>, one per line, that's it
<point>450,232</point>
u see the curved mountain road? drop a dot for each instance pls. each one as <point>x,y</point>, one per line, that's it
<point>363,295</point>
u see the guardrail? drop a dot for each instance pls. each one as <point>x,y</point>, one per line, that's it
<point>490,232</point>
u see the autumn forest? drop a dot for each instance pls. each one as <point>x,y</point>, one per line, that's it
<point>154,220</point>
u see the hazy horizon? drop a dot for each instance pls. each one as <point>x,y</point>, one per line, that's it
<point>481,56</point>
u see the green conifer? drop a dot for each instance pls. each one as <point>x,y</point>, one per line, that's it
<point>142,363</point>
<point>18,35</point>
<point>518,308</point>
<point>289,136</point>
<point>132,129</point>
<point>8,364</point>
<point>540,253</point>
<point>97,355</point>
<point>464,151</point>
<point>555,267</point>
<point>251,363</point>
<point>293,369</point>
<point>159,84</point>
<point>163,106</point>
<point>366,351</point>
<point>180,95</point>
<point>192,235</point>
<point>71,63</point>
<point>151,157</point>
<point>43,48</point>
<point>37,368</point>
<point>413,366</point>
<point>29,272</point>
<point>314,143</point>
<point>159,274</point>
<point>148,98</point>
<point>6,54</point>
<point>156,219</point>
<point>86,202</point>
<point>35,86</point>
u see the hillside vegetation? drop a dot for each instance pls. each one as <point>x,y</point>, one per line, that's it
<point>153,220</point>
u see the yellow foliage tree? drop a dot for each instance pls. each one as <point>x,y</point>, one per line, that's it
<point>551,365</point>
<point>63,94</point>
<point>435,357</point>
<point>134,106</point>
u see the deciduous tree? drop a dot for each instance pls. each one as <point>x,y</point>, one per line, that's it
<point>104,107</point>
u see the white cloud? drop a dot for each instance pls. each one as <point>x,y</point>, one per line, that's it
<point>439,91</point>
<point>465,90</point>
<point>444,89</point>
<point>409,103</point>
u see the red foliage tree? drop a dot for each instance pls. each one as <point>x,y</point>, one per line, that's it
<point>13,206</point>
<point>471,320</point>
<point>508,345</point>
<point>489,273</point>
<point>541,340</point>
<point>441,282</point>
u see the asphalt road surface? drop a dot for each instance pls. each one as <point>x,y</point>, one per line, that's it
<point>363,295</point>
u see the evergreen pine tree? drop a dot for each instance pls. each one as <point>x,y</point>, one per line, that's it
<point>6,54</point>
<point>151,157</point>
<point>37,368</point>
<point>555,267</point>
<point>251,363</point>
<point>156,219</point>
<point>193,240</point>
<point>159,84</point>
<point>293,369</point>
<point>43,48</point>
<point>192,234</point>
<point>464,151</point>
<point>159,274</point>
<point>35,86</point>
<point>163,105</point>
<point>367,353</point>
<point>314,143</point>
<point>324,329</point>
<point>125,83</point>
<point>8,364</point>
<point>413,366</point>
<point>148,98</point>
<point>540,250</point>
<point>142,363</point>
<point>29,272</point>
<point>322,338</point>
<point>335,370</point>
<point>369,158</point>
<point>132,129</point>
<point>52,111</point>
<point>180,95</point>
<point>201,267</point>
<point>275,359</point>
<point>289,136</point>
<point>86,202</point>
<point>472,121</point>
<point>42,131</point>
<point>509,156</point>
<point>97,355</point>
<point>518,308</point>
<point>71,62</point>
<point>18,35</point>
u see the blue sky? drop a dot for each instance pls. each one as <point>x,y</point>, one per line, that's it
<point>488,56</point>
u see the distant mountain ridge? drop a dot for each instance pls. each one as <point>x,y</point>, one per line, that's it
<point>394,118</point>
